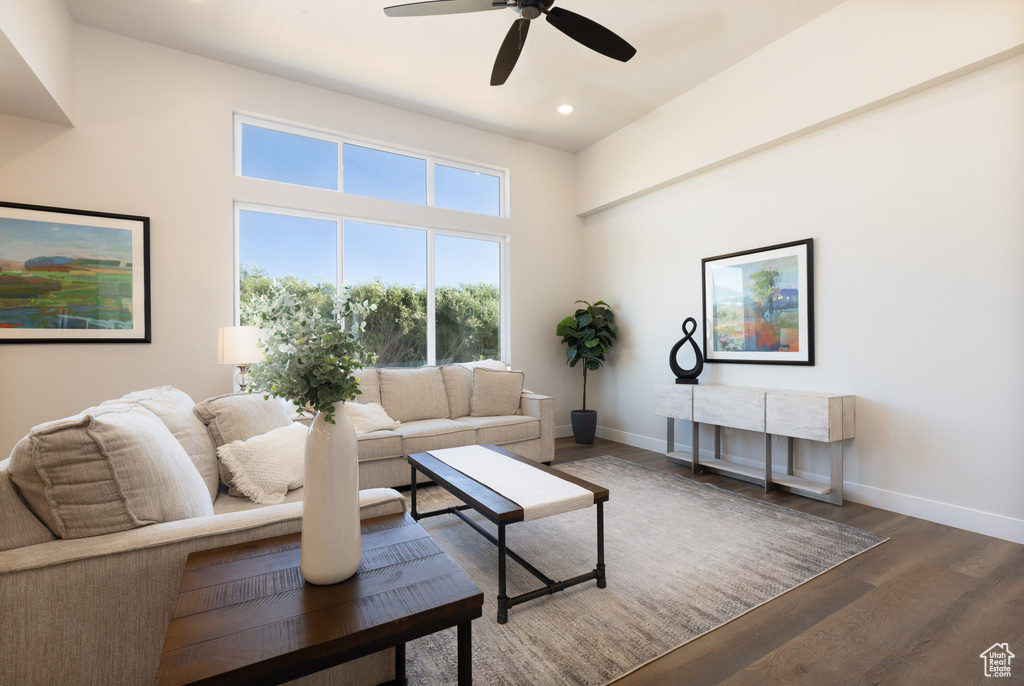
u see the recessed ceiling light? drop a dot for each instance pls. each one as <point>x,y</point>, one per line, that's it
<point>565,109</point>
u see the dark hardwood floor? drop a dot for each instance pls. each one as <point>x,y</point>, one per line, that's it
<point>917,610</point>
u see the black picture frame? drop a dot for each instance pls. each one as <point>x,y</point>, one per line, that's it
<point>759,305</point>
<point>73,276</point>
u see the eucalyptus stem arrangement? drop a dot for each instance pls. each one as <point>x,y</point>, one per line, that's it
<point>310,354</point>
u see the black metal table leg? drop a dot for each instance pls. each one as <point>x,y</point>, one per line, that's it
<point>502,596</point>
<point>400,678</point>
<point>412,496</point>
<point>602,582</point>
<point>465,647</point>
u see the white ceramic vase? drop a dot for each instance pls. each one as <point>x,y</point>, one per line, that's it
<point>331,549</point>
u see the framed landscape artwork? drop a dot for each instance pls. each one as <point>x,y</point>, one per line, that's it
<point>70,276</point>
<point>759,305</point>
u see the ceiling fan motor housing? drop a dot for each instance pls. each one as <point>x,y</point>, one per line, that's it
<point>531,9</point>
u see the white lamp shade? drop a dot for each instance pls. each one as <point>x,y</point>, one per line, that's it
<point>238,345</point>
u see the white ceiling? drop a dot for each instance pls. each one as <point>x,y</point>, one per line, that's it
<point>441,65</point>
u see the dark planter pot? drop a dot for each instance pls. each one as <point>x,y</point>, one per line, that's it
<point>584,425</point>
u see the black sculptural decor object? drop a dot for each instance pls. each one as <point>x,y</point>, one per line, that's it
<point>687,375</point>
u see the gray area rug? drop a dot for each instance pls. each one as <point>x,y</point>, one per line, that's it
<point>682,559</point>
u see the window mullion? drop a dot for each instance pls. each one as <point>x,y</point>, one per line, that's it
<point>431,324</point>
<point>430,182</point>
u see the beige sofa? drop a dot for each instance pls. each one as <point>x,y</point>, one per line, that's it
<point>448,407</point>
<point>98,512</point>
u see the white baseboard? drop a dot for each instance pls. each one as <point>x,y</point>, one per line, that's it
<point>987,523</point>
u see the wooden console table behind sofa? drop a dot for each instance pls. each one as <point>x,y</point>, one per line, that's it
<point>824,417</point>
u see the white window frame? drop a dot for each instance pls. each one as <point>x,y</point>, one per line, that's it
<point>503,241</point>
<point>341,139</point>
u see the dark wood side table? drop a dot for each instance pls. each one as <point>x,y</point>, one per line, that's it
<point>245,615</point>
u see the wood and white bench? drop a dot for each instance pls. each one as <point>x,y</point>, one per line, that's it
<point>507,488</point>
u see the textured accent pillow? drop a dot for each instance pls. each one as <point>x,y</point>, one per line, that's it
<point>458,384</point>
<point>495,393</point>
<point>107,470</point>
<point>174,408</point>
<point>369,417</point>
<point>264,468</point>
<point>240,416</point>
<point>411,394</point>
<point>20,527</point>
<point>369,384</point>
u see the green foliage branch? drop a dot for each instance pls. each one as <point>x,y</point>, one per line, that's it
<point>309,356</point>
<point>589,334</point>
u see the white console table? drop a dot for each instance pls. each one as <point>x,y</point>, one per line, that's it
<point>824,417</point>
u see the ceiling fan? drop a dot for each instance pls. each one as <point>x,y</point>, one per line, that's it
<point>579,28</point>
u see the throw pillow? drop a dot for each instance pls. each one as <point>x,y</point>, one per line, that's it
<point>107,470</point>
<point>458,384</point>
<point>369,417</point>
<point>496,365</point>
<point>495,393</point>
<point>369,385</point>
<point>174,409</point>
<point>240,416</point>
<point>20,527</point>
<point>412,394</point>
<point>264,468</point>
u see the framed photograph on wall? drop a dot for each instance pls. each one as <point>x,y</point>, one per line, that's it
<point>71,276</point>
<point>759,305</point>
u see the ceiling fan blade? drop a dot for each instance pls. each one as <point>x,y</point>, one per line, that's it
<point>420,9</point>
<point>508,53</point>
<point>590,34</point>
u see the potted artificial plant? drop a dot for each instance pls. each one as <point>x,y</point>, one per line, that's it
<point>310,354</point>
<point>589,333</point>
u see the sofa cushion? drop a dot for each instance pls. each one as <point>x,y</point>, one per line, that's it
<point>240,416</point>
<point>458,385</point>
<point>369,385</point>
<point>265,467</point>
<point>409,395</point>
<point>19,526</point>
<point>107,470</point>
<point>379,445</point>
<point>431,434</point>
<point>506,429</point>
<point>369,417</point>
<point>495,393</point>
<point>174,408</point>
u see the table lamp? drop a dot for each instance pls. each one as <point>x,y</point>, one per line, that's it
<point>237,345</point>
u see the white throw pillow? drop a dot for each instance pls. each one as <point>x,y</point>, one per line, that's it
<point>265,467</point>
<point>369,417</point>
<point>496,365</point>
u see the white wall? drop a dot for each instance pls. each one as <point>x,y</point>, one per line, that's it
<point>37,60</point>
<point>153,137</point>
<point>917,215</point>
<point>859,55</point>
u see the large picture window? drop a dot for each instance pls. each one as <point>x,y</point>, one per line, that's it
<point>439,294</point>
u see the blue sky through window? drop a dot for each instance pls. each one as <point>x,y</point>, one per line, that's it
<point>289,158</point>
<point>283,244</point>
<point>466,260</point>
<point>381,174</point>
<point>392,254</point>
<point>469,191</point>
